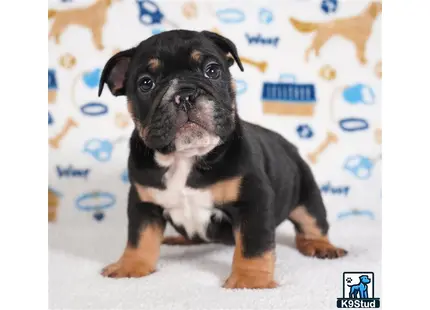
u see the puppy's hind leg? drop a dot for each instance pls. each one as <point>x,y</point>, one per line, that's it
<point>310,220</point>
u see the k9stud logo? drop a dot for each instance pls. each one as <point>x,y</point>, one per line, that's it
<point>358,291</point>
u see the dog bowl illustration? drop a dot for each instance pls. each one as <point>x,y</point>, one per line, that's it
<point>288,99</point>
<point>99,149</point>
<point>92,78</point>
<point>95,202</point>
<point>94,109</point>
<point>149,12</point>
<point>359,93</point>
<point>230,16</point>
<point>360,166</point>
<point>52,86</point>
<point>355,212</point>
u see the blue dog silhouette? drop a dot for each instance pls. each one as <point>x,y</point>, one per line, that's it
<point>359,288</point>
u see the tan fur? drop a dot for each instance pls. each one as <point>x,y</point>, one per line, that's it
<point>92,17</point>
<point>139,261</point>
<point>222,192</point>
<point>307,223</point>
<point>356,29</point>
<point>311,241</point>
<point>153,64</point>
<point>145,193</point>
<point>196,55</point>
<point>226,191</point>
<point>257,272</point>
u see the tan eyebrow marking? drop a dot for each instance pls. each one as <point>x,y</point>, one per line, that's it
<point>154,64</point>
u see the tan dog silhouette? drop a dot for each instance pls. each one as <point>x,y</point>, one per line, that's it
<point>92,17</point>
<point>357,29</point>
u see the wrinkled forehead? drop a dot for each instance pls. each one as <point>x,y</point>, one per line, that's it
<point>174,55</point>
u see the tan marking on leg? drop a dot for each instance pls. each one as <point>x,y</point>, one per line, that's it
<point>145,194</point>
<point>307,223</point>
<point>226,191</point>
<point>311,241</point>
<point>196,55</point>
<point>154,64</point>
<point>257,272</point>
<point>140,261</point>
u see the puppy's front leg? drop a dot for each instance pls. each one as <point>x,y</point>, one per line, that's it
<point>254,254</point>
<point>145,233</point>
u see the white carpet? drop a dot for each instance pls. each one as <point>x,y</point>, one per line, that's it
<point>191,277</point>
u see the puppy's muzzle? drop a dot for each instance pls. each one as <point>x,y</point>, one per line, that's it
<point>185,98</point>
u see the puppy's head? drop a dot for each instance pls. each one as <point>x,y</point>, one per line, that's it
<point>179,89</point>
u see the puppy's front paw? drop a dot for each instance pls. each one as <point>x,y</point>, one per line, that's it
<point>250,280</point>
<point>122,269</point>
<point>318,248</point>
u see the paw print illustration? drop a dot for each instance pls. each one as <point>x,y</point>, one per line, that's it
<point>349,280</point>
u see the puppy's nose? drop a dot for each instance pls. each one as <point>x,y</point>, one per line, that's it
<point>185,97</point>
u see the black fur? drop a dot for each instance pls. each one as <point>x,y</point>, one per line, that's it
<point>275,179</point>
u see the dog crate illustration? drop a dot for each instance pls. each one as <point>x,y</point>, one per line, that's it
<point>52,86</point>
<point>288,99</point>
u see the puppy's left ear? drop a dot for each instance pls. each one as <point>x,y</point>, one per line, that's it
<point>115,71</point>
<point>225,45</point>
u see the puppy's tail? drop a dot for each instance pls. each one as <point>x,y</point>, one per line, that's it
<point>51,13</point>
<point>303,26</point>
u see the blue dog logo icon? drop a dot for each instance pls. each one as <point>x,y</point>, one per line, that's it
<point>359,288</point>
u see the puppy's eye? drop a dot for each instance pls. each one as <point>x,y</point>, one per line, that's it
<point>145,84</point>
<point>212,71</point>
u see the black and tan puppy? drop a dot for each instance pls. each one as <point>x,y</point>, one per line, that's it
<point>194,163</point>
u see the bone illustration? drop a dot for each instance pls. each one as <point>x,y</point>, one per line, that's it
<point>330,139</point>
<point>55,141</point>
<point>260,65</point>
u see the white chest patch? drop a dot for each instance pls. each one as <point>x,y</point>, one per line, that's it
<point>187,207</point>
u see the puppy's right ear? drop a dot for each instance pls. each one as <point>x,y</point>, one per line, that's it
<point>115,71</point>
